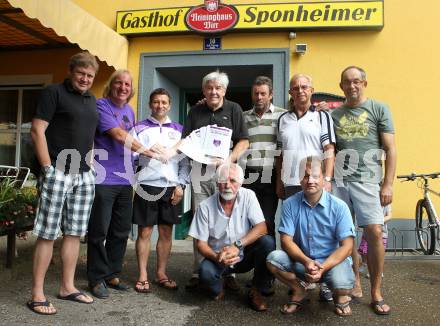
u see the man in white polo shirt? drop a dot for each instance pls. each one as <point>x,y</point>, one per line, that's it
<point>303,132</point>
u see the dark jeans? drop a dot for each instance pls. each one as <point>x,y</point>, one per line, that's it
<point>210,273</point>
<point>109,226</point>
<point>267,197</point>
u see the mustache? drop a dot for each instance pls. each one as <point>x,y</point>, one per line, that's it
<point>227,191</point>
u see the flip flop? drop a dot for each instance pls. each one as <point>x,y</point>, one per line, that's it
<point>342,306</point>
<point>163,283</point>
<point>74,297</point>
<point>298,304</point>
<point>379,304</point>
<point>143,290</point>
<point>34,304</point>
<point>355,299</point>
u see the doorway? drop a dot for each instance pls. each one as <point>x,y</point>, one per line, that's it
<point>181,73</point>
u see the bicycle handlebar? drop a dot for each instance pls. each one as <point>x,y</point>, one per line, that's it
<point>413,176</point>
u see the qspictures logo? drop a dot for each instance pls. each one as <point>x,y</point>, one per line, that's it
<point>213,17</point>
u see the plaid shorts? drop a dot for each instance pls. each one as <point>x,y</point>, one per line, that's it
<point>65,203</point>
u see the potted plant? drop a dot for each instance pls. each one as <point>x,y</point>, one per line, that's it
<point>17,206</point>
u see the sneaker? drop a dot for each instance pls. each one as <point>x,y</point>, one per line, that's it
<point>325,294</point>
<point>115,283</point>
<point>100,290</point>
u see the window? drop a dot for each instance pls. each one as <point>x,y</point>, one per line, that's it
<point>17,108</point>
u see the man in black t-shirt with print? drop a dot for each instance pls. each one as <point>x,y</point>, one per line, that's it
<point>63,130</point>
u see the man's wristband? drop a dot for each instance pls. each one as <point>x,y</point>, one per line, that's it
<point>328,179</point>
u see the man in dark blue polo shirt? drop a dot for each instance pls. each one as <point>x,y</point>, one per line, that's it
<point>216,110</point>
<point>63,130</point>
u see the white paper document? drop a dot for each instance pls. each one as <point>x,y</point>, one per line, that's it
<point>207,144</point>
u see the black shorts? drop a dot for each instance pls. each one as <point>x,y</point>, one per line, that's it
<point>153,212</point>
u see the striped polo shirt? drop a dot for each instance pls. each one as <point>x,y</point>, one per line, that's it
<point>302,137</point>
<point>262,137</point>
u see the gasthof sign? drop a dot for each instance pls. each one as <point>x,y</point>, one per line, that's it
<point>213,17</point>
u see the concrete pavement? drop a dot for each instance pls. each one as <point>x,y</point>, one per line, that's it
<point>410,287</point>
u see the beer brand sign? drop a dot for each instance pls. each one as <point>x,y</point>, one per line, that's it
<point>211,17</point>
<point>214,17</point>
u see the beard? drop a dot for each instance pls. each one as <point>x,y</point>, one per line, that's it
<point>228,195</point>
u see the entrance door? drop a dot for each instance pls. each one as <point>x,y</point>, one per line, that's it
<point>181,73</point>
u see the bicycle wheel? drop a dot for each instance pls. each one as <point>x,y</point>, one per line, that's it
<point>425,233</point>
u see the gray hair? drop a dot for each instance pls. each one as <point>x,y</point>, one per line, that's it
<point>362,72</point>
<point>226,167</point>
<point>298,76</point>
<point>218,77</point>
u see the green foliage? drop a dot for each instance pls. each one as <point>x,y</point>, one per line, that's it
<point>17,206</point>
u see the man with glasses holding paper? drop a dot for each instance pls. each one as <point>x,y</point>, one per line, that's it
<point>216,110</point>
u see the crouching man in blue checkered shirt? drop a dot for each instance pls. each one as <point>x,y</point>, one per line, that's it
<point>63,130</point>
<point>317,237</point>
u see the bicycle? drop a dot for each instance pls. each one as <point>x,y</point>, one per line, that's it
<point>427,221</point>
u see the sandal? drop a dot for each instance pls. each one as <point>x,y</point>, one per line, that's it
<point>355,299</point>
<point>342,306</point>
<point>375,305</point>
<point>167,283</point>
<point>140,287</point>
<point>298,304</point>
<point>75,297</point>
<point>34,304</point>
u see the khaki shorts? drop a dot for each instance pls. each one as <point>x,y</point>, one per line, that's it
<point>363,199</point>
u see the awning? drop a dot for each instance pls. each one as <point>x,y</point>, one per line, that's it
<point>78,26</point>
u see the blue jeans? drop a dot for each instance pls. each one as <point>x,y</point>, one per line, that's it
<point>210,272</point>
<point>340,276</point>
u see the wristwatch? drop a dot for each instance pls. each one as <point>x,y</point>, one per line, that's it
<point>238,244</point>
<point>328,179</point>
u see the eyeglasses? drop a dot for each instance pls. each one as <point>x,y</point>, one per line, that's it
<point>355,82</point>
<point>302,88</point>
